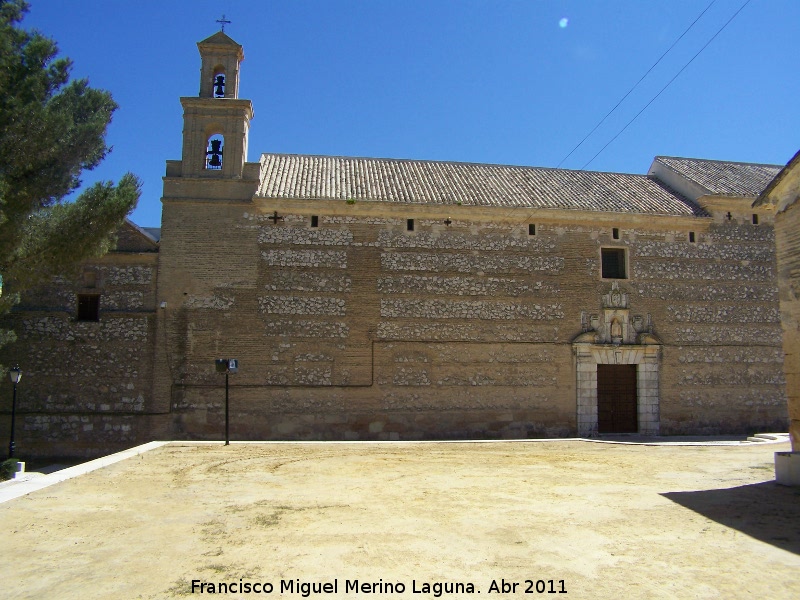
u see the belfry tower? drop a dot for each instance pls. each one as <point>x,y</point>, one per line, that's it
<point>216,123</point>
<point>205,195</point>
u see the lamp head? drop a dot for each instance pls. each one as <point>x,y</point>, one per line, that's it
<point>14,374</point>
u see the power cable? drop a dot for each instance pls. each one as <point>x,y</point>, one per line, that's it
<point>667,85</point>
<point>678,39</point>
<point>635,85</point>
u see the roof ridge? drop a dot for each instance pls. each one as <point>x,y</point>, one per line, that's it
<point>719,161</point>
<point>447,162</point>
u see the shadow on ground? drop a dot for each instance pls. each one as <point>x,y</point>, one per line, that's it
<point>765,511</point>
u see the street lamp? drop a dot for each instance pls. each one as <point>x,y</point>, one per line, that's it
<point>14,375</point>
<point>227,366</point>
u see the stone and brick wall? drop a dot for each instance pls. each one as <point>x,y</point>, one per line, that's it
<point>86,386</point>
<point>359,329</point>
<point>714,306</point>
<point>788,230</point>
<point>782,196</point>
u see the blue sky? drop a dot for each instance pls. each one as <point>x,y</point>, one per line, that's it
<point>490,81</point>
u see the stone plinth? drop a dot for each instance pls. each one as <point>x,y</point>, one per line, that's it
<point>787,468</point>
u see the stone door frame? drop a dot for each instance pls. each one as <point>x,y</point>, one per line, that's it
<point>647,358</point>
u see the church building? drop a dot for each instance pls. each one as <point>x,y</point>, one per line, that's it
<point>385,299</point>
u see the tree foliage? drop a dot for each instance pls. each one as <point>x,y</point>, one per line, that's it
<point>51,129</point>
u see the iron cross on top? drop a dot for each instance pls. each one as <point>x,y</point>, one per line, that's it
<point>222,22</point>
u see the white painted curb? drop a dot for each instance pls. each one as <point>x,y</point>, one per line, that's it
<point>16,488</point>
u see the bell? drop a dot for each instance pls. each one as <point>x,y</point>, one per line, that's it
<point>219,85</point>
<point>215,162</point>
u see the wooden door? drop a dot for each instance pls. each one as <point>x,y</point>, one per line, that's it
<point>616,399</point>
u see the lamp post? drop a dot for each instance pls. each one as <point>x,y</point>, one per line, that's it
<point>227,366</point>
<point>14,375</point>
<point>227,405</point>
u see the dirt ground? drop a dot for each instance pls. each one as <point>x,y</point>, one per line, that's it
<point>596,520</point>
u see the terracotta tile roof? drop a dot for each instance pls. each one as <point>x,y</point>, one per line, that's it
<point>723,177</point>
<point>445,183</point>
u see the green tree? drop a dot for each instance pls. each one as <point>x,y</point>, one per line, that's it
<point>51,129</point>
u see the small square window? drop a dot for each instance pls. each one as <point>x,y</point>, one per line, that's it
<point>88,307</point>
<point>691,237</point>
<point>755,219</point>
<point>89,279</point>
<point>409,224</point>
<point>531,229</point>
<point>314,221</point>
<point>613,263</point>
<point>615,233</point>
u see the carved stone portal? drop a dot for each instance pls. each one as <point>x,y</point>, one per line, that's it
<point>614,336</point>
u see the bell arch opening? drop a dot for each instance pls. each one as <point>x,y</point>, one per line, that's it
<point>214,152</point>
<point>218,82</point>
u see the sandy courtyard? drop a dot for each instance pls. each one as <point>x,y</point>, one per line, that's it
<point>597,520</point>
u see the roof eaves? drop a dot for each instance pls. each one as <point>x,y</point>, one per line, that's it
<point>141,231</point>
<point>761,200</point>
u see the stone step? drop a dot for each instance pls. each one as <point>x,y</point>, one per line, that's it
<point>769,436</point>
